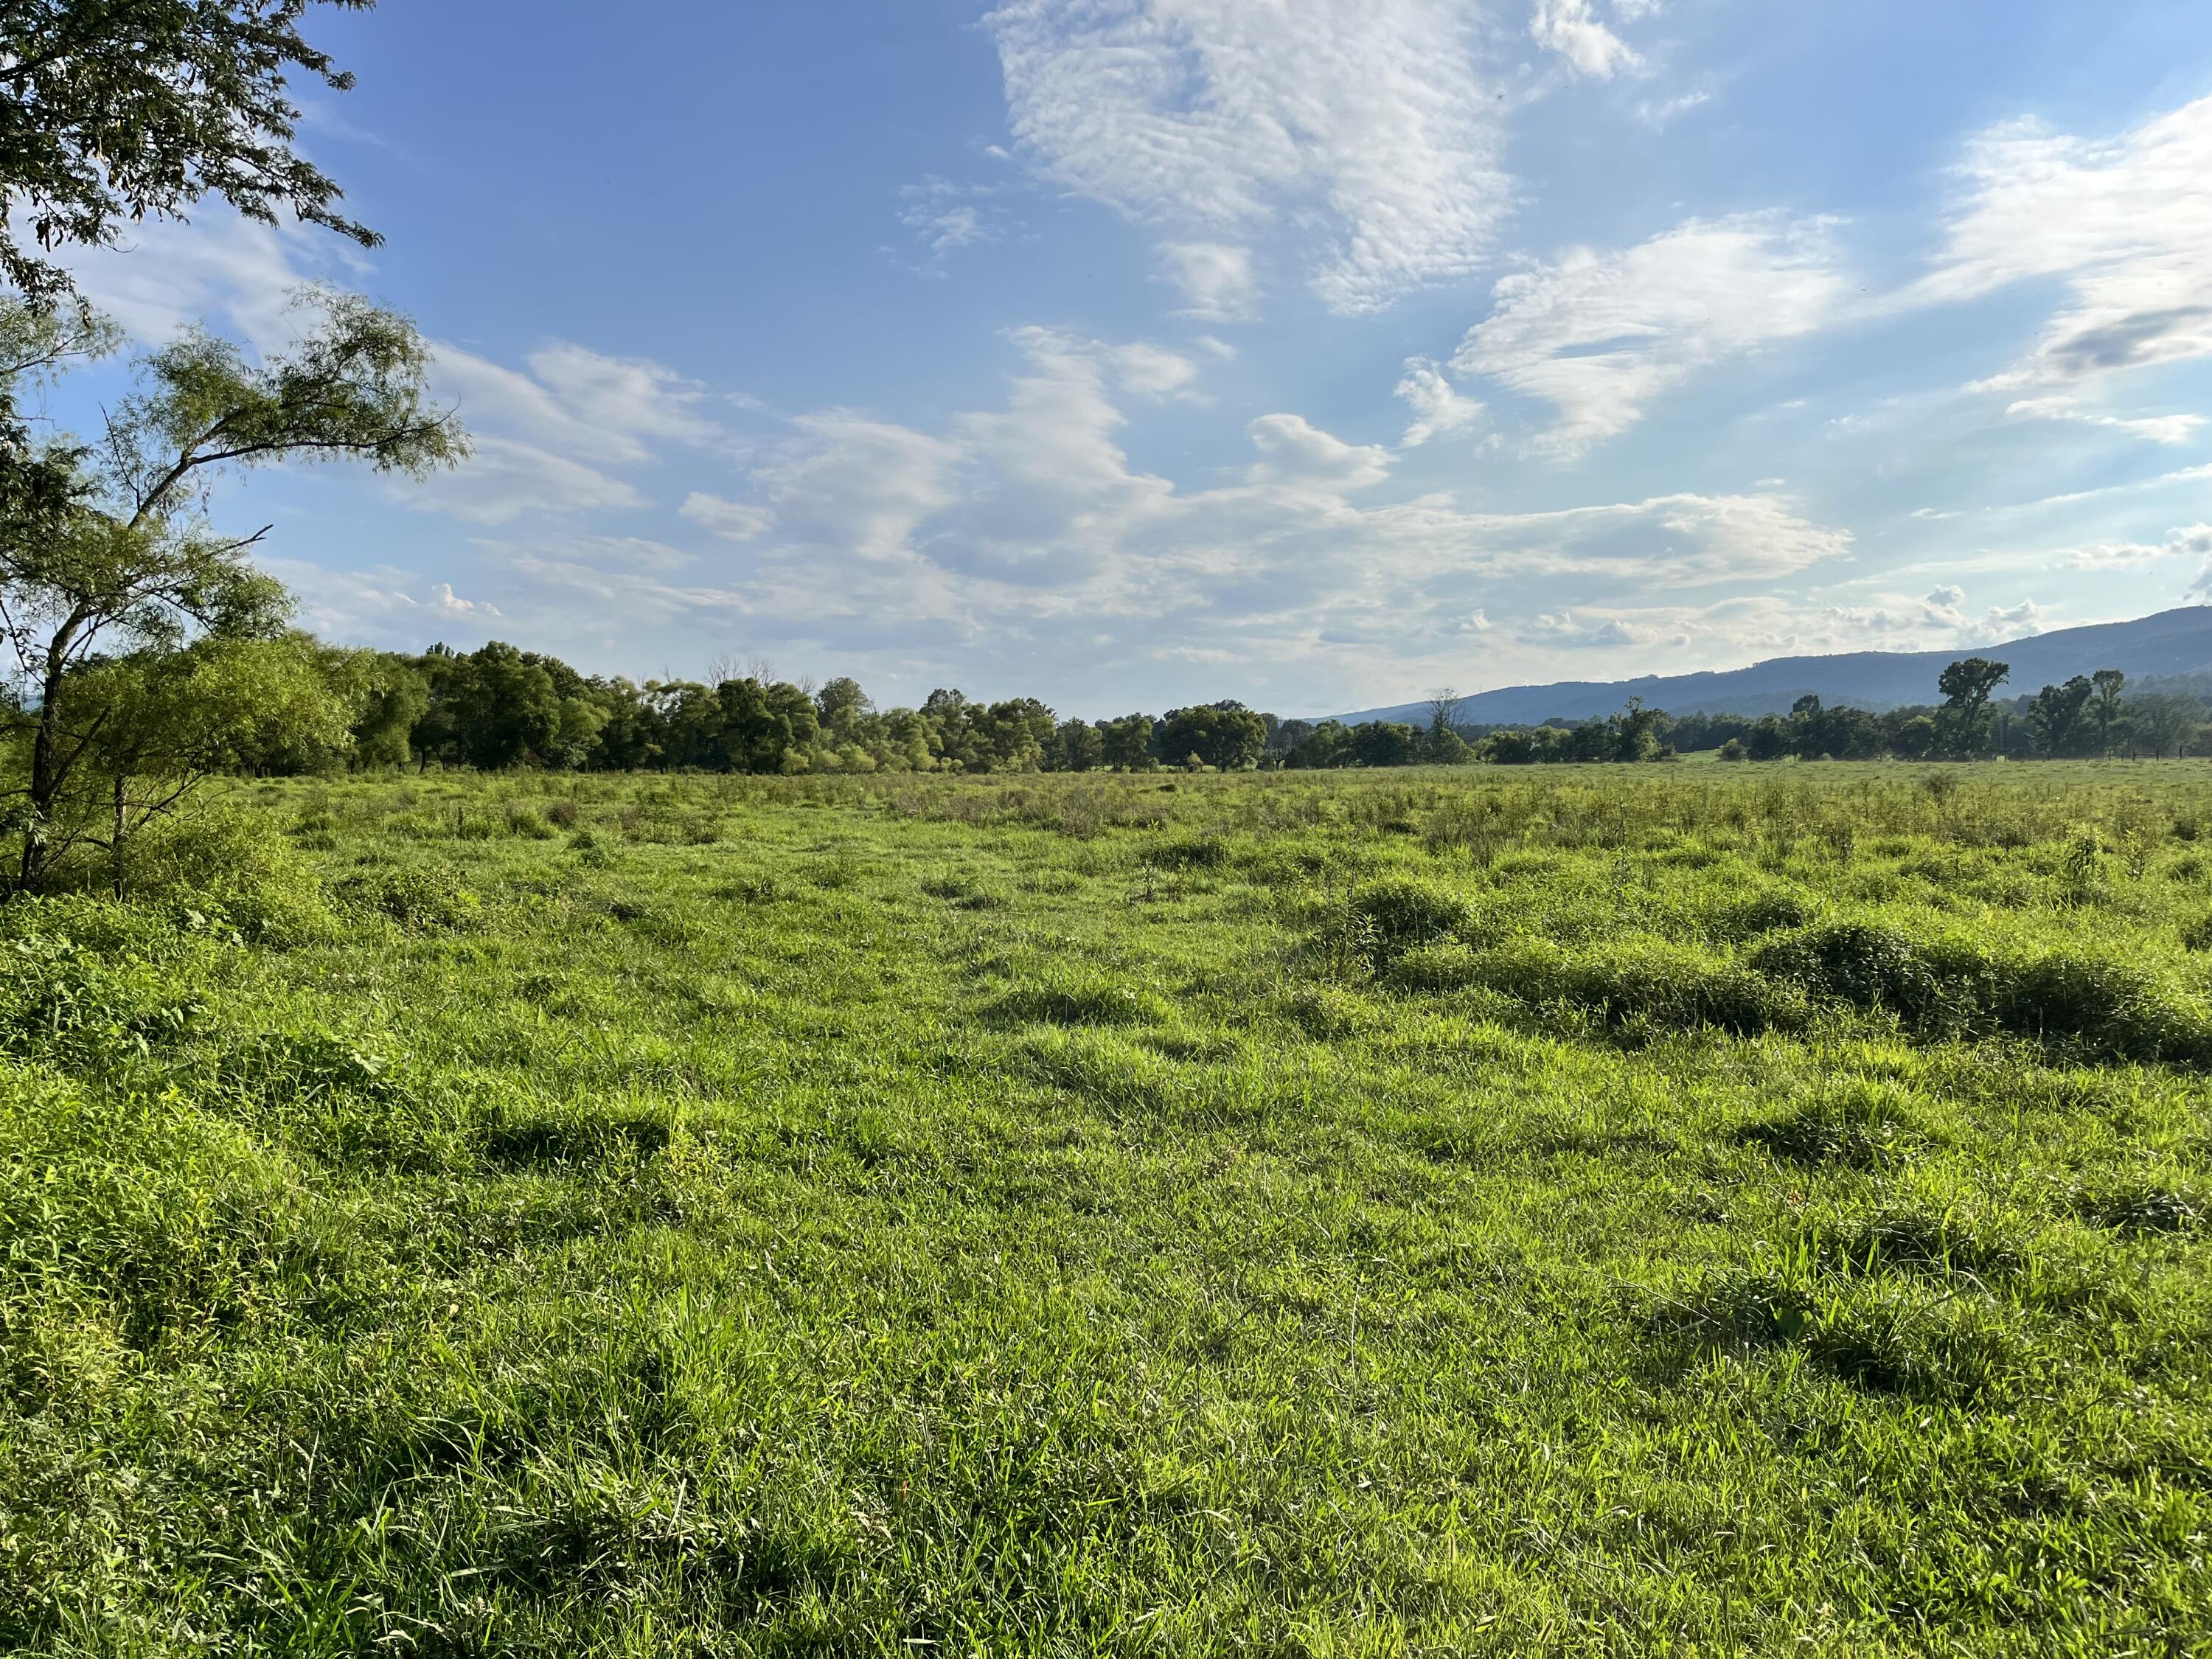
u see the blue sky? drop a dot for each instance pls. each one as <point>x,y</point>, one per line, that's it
<point>1316,352</point>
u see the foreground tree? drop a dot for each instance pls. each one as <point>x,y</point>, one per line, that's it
<point>106,553</point>
<point>115,111</point>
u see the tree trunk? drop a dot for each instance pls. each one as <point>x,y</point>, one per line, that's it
<point>115,847</point>
<point>45,768</point>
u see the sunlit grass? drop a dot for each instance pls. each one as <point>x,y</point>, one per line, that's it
<point>1585,1210</point>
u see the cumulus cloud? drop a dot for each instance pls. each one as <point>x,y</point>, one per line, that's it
<point>1293,451</point>
<point>1571,28</point>
<point>356,604</point>
<point>1600,335</point>
<point>2122,222</point>
<point>1567,629</point>
<point>1438,408</point>
<point>2190,541</point>
<point>2017,622</point>
<point>1366,119</point>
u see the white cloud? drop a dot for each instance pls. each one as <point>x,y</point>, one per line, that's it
<point>1600,337</point>
<point>739,521</point>
<point>2192,541</point>
<point>1215,279</point>
<point>1438,408</point>
<point>2124,222</point>
<point>945,217</point>
<point>1366,119</point>
<point>505,480</point>
<point>353,604</point>
<point>1293,452</point>
<point>2154,428</point>
<point>861,485</point>
<point>2019,622</point>
<point>1152,370</point>
<point>1663,113</point>
<point>230,271</point>
<point>577,401</point>
<point>1568,27</point>
<point>1565,628</point>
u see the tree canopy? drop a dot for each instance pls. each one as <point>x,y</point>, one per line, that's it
<point>113,111</point>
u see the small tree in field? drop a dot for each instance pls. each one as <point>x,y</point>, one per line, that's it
<point>106,553</point>
<point>167,720</point>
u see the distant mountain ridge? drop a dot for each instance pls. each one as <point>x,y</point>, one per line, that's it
<point>2178,641</point>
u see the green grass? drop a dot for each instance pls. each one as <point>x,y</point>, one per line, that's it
<point>1586,1212</point>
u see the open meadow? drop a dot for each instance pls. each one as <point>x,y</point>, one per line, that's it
<point>1637,1210</point>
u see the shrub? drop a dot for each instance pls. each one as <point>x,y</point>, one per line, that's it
<point>1096,1000</point>
<point>521,821</point>
<point>1759,912</point>
<point>416,899</point>
<point>1190,853</point>
<point>1858,1123</point>
<point>1404,911</point>
<point>2108,1009</point>
<point>1648,986</point>
<point>233,863</point>
<point>1862,964</point>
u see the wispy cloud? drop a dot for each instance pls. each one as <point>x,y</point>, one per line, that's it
<point>1572,29</point>
<point>1368,120</point>
<point>1602,336</point>
<point>2124,222</point>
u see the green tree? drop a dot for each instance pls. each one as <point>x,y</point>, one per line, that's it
<point>1385,743</point>
<point>116,557</point>
<point>1224,735</point>
<point>1127,743</point>
<point>169,719</point>
<point>115,111</point>
<point>1076,746</point>
<point>1637,730</point>
<point>840,705</point>
<point>2105,708</point>
<point>1916,738</point>
<point>2165,724</point>
<point>2055,716</point>
<point>1967,686</point>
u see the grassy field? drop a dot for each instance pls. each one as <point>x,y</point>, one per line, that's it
<point>1652,1211</point>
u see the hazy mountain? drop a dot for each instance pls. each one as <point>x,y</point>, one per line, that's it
<point>2170,642</point>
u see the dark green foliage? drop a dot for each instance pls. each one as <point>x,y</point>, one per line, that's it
<point>1403,911</point>
<point>413,898</point>
<point>2144,1207</point>
<point>1867,966</point>
<point>1853,1123</point>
